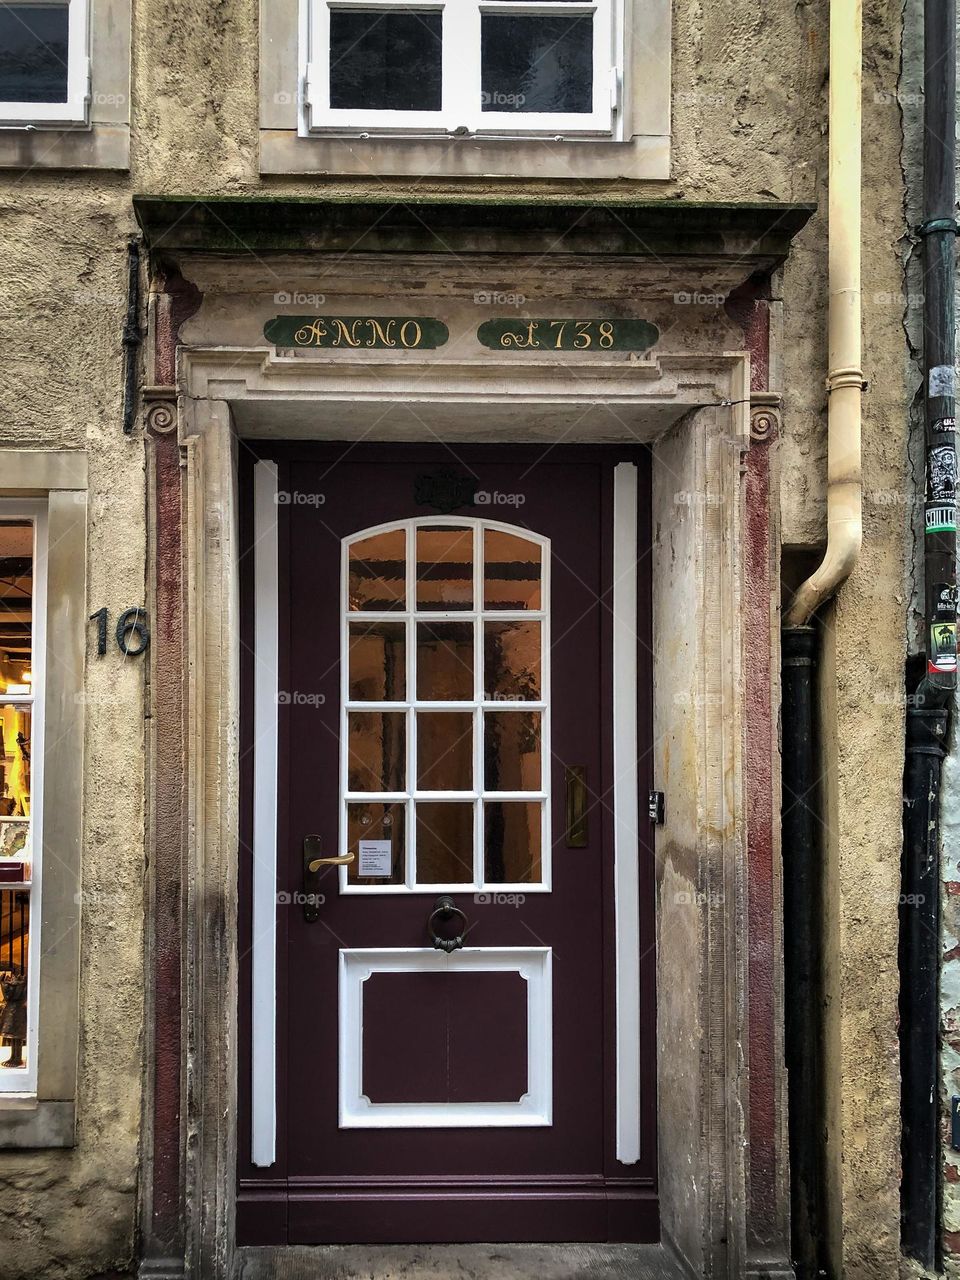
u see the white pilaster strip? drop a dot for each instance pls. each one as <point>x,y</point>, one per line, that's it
<point>626,810</point>
<point>264,949</point>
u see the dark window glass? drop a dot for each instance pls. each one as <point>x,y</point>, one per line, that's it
<point>512,842</point>
<point>535,63</point>
<point>385,61</point>
<point>33,52</point>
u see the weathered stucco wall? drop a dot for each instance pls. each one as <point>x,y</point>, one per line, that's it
<point>63,246</point>
<point>749,122</point>
<point>864,645</point>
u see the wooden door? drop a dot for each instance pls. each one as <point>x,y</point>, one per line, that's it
<point>445,695</point>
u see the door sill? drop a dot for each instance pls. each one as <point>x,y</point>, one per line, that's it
<point>447,1262</point>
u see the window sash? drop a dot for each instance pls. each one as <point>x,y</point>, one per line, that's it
<point>14,1081</point>
<point>76,107</point>
<point>461,72</point>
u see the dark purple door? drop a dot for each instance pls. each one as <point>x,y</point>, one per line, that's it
<point>445,692</point>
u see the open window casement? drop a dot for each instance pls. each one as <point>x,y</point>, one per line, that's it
<point>504,68</point>
<point>44,63</point>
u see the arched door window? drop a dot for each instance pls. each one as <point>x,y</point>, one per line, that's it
<point>445,734</point>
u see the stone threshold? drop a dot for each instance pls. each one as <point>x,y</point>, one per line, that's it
<point>450,1262</point>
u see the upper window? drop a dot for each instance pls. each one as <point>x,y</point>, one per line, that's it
<point>44,62</point>
<point>502,67</point>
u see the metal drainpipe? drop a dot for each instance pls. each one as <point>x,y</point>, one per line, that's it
<point>845,377</point>
<point>802,875</point>
<point>132,337</point>
<point>801,824</point>
<point>928,710</point>
<point>920,985</point>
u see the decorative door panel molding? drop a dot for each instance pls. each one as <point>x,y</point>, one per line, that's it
<point>451,1077</point>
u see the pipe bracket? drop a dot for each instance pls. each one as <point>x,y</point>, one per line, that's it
<point>850,377</point>
<point>933,225</point>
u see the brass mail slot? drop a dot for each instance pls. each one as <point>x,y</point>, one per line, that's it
<point>576,777</point>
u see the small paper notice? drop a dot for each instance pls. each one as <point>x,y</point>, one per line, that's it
<point>376,858</point>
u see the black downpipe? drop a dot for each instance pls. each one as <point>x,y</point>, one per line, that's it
<point>938,232</point>
<point>131,337</point>
<point>802,911</point>
<point>920,984</point>
<point>930,698</point>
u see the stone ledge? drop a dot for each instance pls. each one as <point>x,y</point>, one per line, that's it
<point>760,234</point>
<point>28,1125</point>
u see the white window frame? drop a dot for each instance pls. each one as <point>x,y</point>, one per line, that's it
<point>76,108</point>
<point>478,706</point>
<point>22,1081</point>
<point>461,111</point>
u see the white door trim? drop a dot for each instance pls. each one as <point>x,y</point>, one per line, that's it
<point>263,1094</point>
<point>626,814</point>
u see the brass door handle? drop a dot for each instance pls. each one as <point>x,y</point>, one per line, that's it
<point>316,863</point>
<point>312,862</point>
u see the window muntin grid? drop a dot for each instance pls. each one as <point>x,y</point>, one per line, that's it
<point>408,816</point>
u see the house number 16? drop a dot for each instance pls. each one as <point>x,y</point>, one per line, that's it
<point>132,633</point>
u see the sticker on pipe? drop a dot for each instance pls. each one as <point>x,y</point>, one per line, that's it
<point>942,382</point>
<point>943,648</point>
<point>941,519</point>
<point>945,600</point>
<point>943,473</point>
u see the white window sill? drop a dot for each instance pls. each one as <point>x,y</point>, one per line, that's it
<point>97,146</point>
<point>27,1123</point>
<point>17,1101</point>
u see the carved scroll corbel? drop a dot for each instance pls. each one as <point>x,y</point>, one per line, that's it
<point>765,416</point>
<point>160,410</point>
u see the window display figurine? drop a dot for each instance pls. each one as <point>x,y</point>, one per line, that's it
<point>13,1015</point>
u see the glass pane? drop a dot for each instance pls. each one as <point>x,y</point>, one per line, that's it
<point>33,52</point>
<point>383,61</point>
<point>444,842</point>
<point>511,751</point>
<point>512,838</point>
<point>512,569</point>
<point>444,568</point>
<point>445,661</point>
<point>511,661</point>
<point>377,750</point>
<point>16,605</point>
<point>533,62</point>
<point>14,954</point>
<point>445,751</point>
<point>383,824</point>
<point>377,571</point>
<point>378,661</point>
<point>15,763</point>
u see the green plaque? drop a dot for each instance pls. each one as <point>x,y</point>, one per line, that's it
<point>396,333</point>
<point>568,335</point>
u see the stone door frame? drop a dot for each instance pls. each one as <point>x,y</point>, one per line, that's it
<point>709,1211</point>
